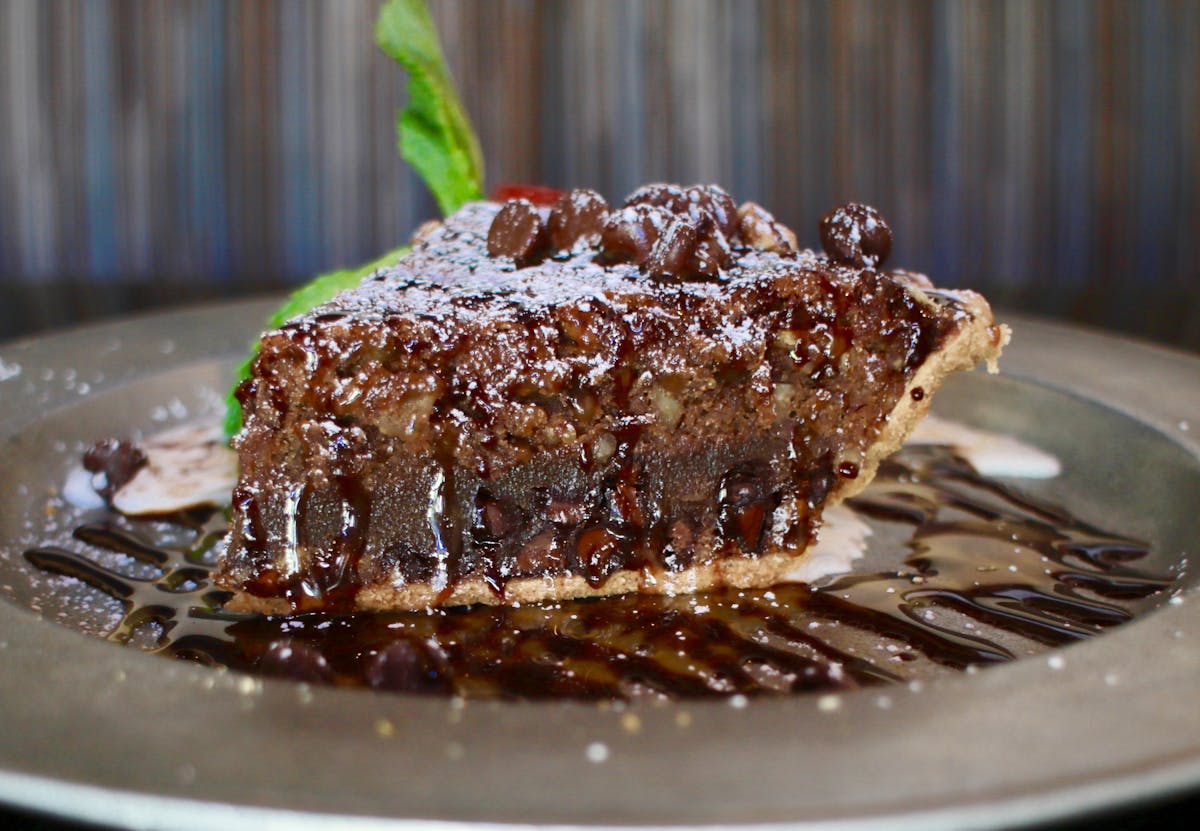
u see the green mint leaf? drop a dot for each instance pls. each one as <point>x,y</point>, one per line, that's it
<point>323,288</point>
<point>233,407</point>
<point>304,299</point>
<point>435,135</point>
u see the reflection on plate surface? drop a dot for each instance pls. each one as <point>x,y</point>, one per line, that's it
<point>989,575</point>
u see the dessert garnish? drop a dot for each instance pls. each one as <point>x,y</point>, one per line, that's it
<point>435,136</point>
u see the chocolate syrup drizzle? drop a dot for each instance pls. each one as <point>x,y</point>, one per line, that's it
<point>986,564</point>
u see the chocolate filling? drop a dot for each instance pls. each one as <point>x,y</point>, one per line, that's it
<point>572,392</point>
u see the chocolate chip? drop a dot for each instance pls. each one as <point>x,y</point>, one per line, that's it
<point>599,553</point>
<point>518,232</point>
<point>539,555</point>
<point>495,517</point>
<point>118,460</point>
<point>671,197</point>
<point>679,551</point>
<point>563,511</point>
<point>296,660</point>
<point>691,243</point>
<point>674,253</point>
<point>577,217</point>
<point>406,666</point>
<point>820,481</point>
<point>706,206</point>
<point>630,233</point>
<point>746,503</point>
<point>856,235</point>
<point>741,486</point>
<point>712,254</point>
<point>624,507</point>
<point>709,205</point>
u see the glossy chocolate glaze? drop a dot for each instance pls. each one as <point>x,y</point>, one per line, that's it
<point>379,423</point>
<point>985,565</point>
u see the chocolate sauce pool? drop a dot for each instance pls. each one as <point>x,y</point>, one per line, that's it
<point>988,573</point>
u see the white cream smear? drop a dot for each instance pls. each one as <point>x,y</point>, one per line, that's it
<point>992,454</point>
<point>841,539</point>
<point>186,466</point>
<point>193,465</point>
<point>79,489</point>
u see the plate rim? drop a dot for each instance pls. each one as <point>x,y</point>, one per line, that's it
<point>187,327</point>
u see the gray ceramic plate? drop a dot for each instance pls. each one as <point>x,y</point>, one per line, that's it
<point>92,731</point>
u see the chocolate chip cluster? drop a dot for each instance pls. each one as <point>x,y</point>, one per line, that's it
<point>673,232</point>
<point>669,232</point>
<point>519,231</point>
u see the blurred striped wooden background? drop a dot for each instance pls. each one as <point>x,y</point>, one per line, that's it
<point>1046,152</point>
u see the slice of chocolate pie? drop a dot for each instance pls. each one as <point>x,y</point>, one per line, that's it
<point>549,402</point>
